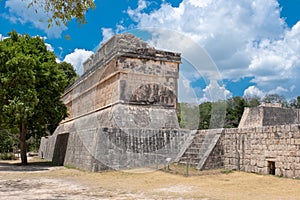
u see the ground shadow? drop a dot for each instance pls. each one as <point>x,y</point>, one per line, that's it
<point>32,166</point>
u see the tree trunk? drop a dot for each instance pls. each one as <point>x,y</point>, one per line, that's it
<point>23,147</point>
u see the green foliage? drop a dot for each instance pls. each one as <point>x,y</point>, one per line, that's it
<point>188,116</point>
<point>69,71</point>
<point>7,156</point>
<point>275,98</point>
<point>60,12</point>
<point>218,113</point>
<point>33,143</point>
<point>295,103</point>
<point>212,114</point>
<point>253,101</point>
<point>31,83</point>
<point>205,115</point>
<point>8,141</point>
<point>235,109</point>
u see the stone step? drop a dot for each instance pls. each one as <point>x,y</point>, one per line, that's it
<point>191,164</point>
<point>191,153</point>
<point>192,159</point>
<point>204,152</point>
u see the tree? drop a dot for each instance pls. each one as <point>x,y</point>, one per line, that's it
<point>31,84</point>
<point>60,12</point>
<point>69,71</point>
<point>252,101</point>
<point>8,141</point>
<point>205,115</point>
<point>295,103</point>
<point>235,110</point>
<point>188,116</point>
<point>275,98</point>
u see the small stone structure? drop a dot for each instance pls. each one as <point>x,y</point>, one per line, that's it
<point>269,115</point>
<point>122,114</point>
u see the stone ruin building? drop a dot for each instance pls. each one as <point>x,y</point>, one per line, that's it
<point>122,115</point>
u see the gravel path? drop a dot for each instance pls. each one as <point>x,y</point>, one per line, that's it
<point>40,180</point>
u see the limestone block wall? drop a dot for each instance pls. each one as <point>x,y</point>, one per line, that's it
<point>95,91</point>
<point>215,159</point>
<point>126,71</point>
<point>98,149</point>
<point>258,149</point>
<point>265,150</point>
<point>252,117</point>
<point>280,116</point>
<point>47,146</point>
<point>43,148</point>
<point>269,116</point>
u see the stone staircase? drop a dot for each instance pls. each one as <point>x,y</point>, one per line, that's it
<point>199,149</point>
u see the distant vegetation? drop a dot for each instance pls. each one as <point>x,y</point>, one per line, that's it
<point>199,116</point>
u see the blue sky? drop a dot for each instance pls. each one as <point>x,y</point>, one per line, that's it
<point>255,45</point>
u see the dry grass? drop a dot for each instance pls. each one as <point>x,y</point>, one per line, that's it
<point>212,184</point>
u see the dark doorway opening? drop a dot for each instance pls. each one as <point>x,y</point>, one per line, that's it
<point>60,149</point>
<point>271,167</point>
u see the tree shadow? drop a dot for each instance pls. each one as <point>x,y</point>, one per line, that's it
<point>32,166</point>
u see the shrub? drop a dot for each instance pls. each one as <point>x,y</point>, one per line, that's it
<point>8,156</point>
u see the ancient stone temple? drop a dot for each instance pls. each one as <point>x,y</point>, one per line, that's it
<point>128,84</point>
<point>122,115</point>
<point>122,107</point>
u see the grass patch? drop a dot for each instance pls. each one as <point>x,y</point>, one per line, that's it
<point>71,167</point>
<point>181,169</point>
<point>226,171</point>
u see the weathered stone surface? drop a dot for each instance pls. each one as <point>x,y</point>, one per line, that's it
<point>122,109</point>
<point>268,115</point>
<point>99,149</point>
<point>153,94</point>
<point>250,150</point>
<point>125,71</point>
<point>122,114</point>
<point>282,152</point>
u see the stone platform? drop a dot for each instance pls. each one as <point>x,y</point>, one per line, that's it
<point>122,110</point>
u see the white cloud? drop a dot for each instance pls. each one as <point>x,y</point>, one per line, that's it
<point>49,47</point>
<point>202,3</point>
<point>215,92</point>
<point>277,63</point>
<point>244,38</point>
<point>107,33</point>
<point>2,37</point>
<point>20,13</point>
<point>253,91</point>
<point>137,12</point>
<point>278,90</point>
<point>77,59</point>
<point>199,62</point>
<point>186,93</point>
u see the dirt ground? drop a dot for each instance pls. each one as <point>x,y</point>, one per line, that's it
<point>40,180</point>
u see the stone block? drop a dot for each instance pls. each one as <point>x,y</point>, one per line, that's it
<point>297,141</point>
